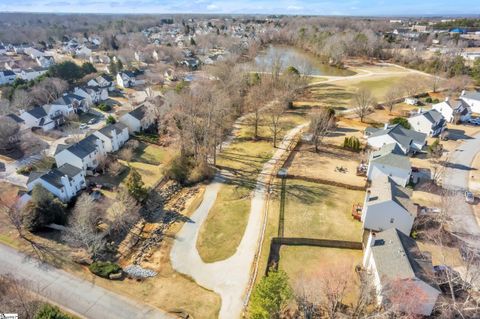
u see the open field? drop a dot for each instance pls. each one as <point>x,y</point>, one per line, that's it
<point>323,165</point>
<point>321,211</point>
<point>223,230</point>
<point>311,265</point>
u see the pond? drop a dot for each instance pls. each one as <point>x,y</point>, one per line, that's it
<point>303,61</point>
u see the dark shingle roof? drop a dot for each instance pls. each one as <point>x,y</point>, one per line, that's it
<point>139,112</point>
<point>37,112</point>
<point>15,117</point>
<point>83,148</point>
<point>402,135</point>
<point>397,257</point>
<point>384,189</point>
<point>54,176</point>
<point>433,116</point>
<point>391,155</point>
<point>68,99</point>
<point>8,72</point>
<point>107,130</point>
<point>474,95</point>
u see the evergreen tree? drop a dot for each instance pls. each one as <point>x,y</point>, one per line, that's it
<point>136,186</point>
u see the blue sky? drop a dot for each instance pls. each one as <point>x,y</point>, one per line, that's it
<point>313,7</point>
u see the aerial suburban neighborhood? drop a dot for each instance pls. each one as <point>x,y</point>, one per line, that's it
<point>239,160</point>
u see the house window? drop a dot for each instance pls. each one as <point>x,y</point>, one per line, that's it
<point>392,220</point>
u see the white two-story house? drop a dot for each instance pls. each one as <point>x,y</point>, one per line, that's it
<point>113,136</point>
<point>64,182</point>
<point>85,154</point>
<point>453,112</point>
<point>387,205</point>
<point>126,79</point>
<point>402,276</point>
<point>409,141</point>
<point>137,120</point>
<point>472,99</point>
<point>390,161</point>
<point>431,122</point>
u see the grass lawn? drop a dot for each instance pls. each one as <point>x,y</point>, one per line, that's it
<point>306,162</point>
<point>223,230</point>
<point>311,265</point>
<point>321,211</point>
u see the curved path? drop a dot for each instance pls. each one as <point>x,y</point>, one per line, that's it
<point>230,277</point>
<point>456,177</point>
<point>81,297</point>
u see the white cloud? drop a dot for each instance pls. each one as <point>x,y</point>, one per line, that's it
<point>295,8</point>
<point>212,6</point>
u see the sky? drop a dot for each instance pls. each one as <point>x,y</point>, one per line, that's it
<point>292,7</point>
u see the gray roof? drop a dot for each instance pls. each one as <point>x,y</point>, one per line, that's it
<point>83,148</point>
<point>391,155</point>
<point>107,130</point>
<point>402,135</point>
<point>15,117</point>
<point>433,116</point>
<point>139,112</point>
<point>474,95</point>
<point>8,72</point>
<point>37,112</point>
<point>384,189</point>
<point>68,99</point>
<point>397,257</point>
<point>54,176</point>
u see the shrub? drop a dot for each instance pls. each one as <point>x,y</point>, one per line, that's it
<point>135,185</point>
<point>48,311</point>
<point>352,143</point>
<point>25,170</point>
<point>104,107</point>
<point>186,171</point>
<point>111,120</point>
<point>436,101</point>
<point>43,209</point>
<point>402,121</point>
<point>428,100</point>
<point>104,268</point>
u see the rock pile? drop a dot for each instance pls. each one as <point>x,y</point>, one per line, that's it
<point>138,272</point>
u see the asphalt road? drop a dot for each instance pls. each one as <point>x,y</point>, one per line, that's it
<point>456,178</point>
<point>79,296</point>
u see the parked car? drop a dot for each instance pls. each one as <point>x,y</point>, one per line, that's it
<point>474,121</point>
<point>83,126</point>
<point>469,198</point>
<point>92,121</point>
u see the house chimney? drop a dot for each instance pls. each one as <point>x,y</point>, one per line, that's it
<point>447,99</point>
<point>385,126</point>
<point>463,93</point>
<point>420,110</point>
<point>372,239</point>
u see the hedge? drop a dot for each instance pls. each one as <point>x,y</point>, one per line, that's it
<point>104,268</point>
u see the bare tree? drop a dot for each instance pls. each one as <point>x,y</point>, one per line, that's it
<point>274,116</point>
<point>321,123</point>
<point>363,101</point>
<point>391,97</point>
<point>21,100</point>
<point>82,231</point>
<point>16,298</point>
<point>49,90</point>
<point>9,134</point>
<point>124,212</point>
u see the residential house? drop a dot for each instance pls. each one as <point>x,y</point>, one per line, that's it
<point>37,117</point>
<point>83,51</point>
<point>64,182</point>
<point>431,122</point>
<point>7,77</point>
<point>398,268</point>
<point>387,205</point>
<point>3,49</point>
<point>32,73</point>
<point>126,79</point>
<point>409,141</point>
<point>102,81</point>
<point>73,101</point>
<point>85,154</point>
<point>92,94</point>
<point>45,61</point>
<point>33,53</point>
<point>137,120</point>
<point>472,99</point>
<point>453,112</point>
<point>113,136</point>
<point>390,161</point>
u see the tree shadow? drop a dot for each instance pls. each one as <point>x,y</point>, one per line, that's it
<point>457,134</point>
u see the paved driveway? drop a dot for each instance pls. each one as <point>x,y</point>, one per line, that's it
<point>79,296</point>
<point>456,178</point>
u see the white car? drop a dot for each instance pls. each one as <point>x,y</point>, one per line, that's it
<point>469,198</point>
<point>83,126</point>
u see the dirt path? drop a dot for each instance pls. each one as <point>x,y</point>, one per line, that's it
<point>229,278</point>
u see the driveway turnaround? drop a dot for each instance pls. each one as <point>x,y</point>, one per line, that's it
<point>456,178</point>
<point>81,297</point>
<point>230,277</point>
